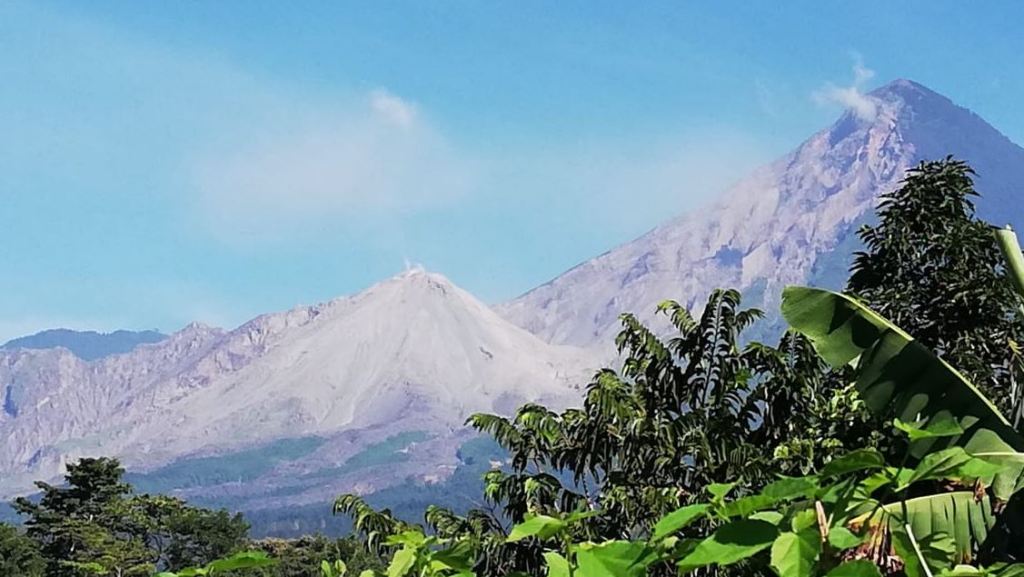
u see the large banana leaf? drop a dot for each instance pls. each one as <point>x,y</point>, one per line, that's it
<point>962,515</point>
<point>898,377</point>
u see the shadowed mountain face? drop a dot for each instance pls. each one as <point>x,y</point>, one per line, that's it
<point>789,222</point>
<point>86,345</point>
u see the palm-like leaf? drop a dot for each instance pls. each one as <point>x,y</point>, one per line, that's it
<point>961,515</point>
<point>898,377</point>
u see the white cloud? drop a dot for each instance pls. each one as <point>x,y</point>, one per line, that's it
<point>393,108</point>
<point>853,96</point>
<point>376,160</point>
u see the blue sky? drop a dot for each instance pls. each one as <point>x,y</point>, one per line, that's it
<point>162,162</point>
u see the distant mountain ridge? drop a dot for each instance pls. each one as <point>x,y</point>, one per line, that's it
<point>299,391</point>
<point>86,345</point>
<point>789,222</point>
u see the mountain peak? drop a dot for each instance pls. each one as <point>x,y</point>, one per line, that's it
<point>195,330</point>
<point>418,274</point>
<point>199,327</point>
<point>411,353</point>
<point>905,89</point>
<point>790,222</point>
<point>415,280</point>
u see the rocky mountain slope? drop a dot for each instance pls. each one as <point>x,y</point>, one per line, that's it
<point>414,353</point>
<point>788,222</point>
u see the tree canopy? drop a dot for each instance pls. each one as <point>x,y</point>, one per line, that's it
<point>935,269</point>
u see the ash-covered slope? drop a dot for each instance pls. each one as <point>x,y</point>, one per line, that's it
<point>786,223</point>
<point>412,353</point>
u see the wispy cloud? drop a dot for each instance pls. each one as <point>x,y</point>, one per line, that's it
<point>377,157</point>
<point>852,96</point>
<point>393,108</point>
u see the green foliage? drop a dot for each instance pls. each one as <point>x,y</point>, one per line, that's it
<point>237,562</point>
<point>306,556</point>
<point>678,520</point>
<point>935,270</point>
<point>900,377</point>
<point>1010,247</point>
<point>625,558</point>
<point>732,542</point>
<point>81,528</point>
<point>19,555</point>
<point>858,516</point>
<point>958,434</point>
<point>799,527</point>
<point>336,569</point>
<point>182,535</point>
<point>95,525</point>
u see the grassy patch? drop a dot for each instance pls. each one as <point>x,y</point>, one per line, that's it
<point>385,452</point>
<point>235,467</point>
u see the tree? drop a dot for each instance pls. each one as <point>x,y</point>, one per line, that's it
<point>935,270</point>
<point>899,377</point>
<point>94,549</point>
<point>181,535</point>
<point>19,555</point>
<point>78,526</point>
<point>94,524</point>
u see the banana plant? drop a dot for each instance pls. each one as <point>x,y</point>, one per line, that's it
<point>818,525</point>
<point>898,377</point>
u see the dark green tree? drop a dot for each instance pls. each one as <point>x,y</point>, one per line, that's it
<point>181,535</point>
<point>933,268</point>
<point>94,524</point>
<point>80,526</point>
<point>19,555</point>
